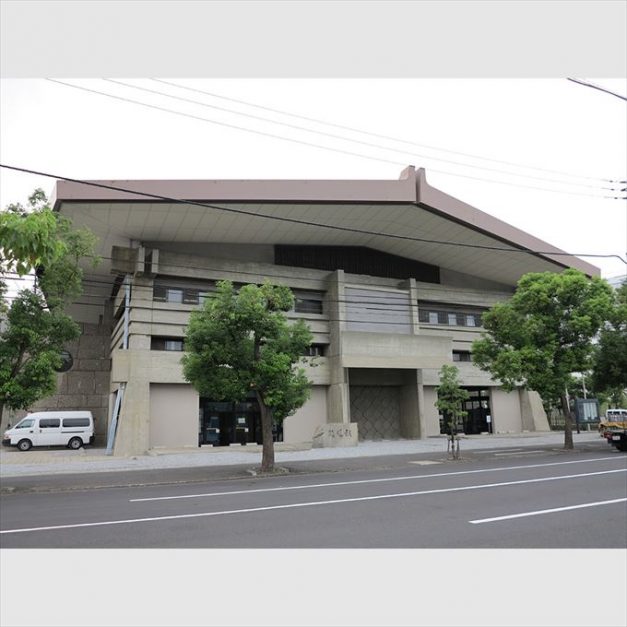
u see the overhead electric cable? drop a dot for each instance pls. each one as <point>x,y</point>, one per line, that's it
<point>313,145</point>
<point>355,141</point>
<point>607,91</point>
<point>304,222</point>
<point>388,137</point>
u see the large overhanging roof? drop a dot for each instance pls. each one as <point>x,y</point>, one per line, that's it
<point>408,207</point>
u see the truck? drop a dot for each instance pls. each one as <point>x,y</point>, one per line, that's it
<point>614,428</point>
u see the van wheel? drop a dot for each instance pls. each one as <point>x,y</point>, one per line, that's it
<point>24,445</point>
<point>75,443</point>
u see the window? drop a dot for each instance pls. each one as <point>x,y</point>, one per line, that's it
<point>307,305</point>
<point>190,297</point>
<point>159,293</point>
<point>183,295</point>
<point>462,356</point>
<point>308,301</point>
<point>174,295</point>
<point>25,424</point>
<point>315,350</point>
<point>450,317</point>
<point>166,343</point>
<point>76,422</point>
<point>48,423</point>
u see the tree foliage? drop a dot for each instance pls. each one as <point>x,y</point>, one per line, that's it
<point>450,397</point>
<point>241,342</point>
<point>40,245</point>
<point>609,365</point>
<point>30,347</point>
<point>544,333</point>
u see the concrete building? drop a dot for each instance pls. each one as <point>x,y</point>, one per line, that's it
<point>391,276</point>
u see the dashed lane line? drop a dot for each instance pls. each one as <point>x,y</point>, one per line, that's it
<point>309,504</point>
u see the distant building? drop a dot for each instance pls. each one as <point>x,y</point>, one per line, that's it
<point>386,312</point>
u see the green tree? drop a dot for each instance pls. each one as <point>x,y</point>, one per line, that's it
<point>544,333</point>
<point>41,246</point>
<point>241,342</point>
<point>30,347</point>
<point>609,365</point>
<point>449,402</point>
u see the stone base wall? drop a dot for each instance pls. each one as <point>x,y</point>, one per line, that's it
<point>86,385</point>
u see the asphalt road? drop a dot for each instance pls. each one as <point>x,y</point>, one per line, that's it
<point>545,499</point>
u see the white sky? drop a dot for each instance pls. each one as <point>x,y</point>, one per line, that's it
<point>552,124</point>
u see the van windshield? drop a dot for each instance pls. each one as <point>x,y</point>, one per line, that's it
<point>24,424</point>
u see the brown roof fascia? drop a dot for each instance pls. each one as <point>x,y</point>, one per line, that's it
<point>437,201</point>
<point>411,187</point>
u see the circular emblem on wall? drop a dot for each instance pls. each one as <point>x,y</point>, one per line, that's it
<point>67,361</point>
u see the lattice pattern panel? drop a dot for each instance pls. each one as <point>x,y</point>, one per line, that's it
<point>377,411</point>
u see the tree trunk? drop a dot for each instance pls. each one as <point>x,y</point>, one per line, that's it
<point>267,454</point>
<point>568,424</point>
<point>2,423</point>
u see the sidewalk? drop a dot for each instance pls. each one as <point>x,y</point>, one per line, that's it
<point>14,463</point>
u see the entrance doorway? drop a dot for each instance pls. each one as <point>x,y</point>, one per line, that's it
<point>479,417</point>
<point>223,423</point>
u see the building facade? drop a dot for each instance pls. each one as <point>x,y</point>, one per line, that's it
<point>392,277</point>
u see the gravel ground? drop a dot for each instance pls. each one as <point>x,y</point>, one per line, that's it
<point>60,460</point>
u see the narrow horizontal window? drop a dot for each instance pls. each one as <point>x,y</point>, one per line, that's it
<point>315,350</point>
<point>307,305</point>
<point>166,343</point>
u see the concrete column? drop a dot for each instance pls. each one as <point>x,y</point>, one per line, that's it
<point>412,289</point>
<point>338,396</point>
<point>412,406</point>
<point>422,414</point>
<point>133,430</point>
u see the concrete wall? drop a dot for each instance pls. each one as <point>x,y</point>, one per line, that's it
<point>173,416</point>
<point>506,413</point>
<point>533,415</point>
<point>379,310</point>
<point>391,350</point>
<point>301,426</point>
<point>432,416</point>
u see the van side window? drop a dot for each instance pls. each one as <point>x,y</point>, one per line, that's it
<point>25,424</point>
<point>76,422</point>
<point>46,423</point>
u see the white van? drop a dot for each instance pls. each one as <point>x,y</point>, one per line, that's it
<point>51,428</point>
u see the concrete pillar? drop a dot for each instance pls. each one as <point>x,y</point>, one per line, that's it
<point>338,396</point>
<point>412,289</point>
<point>412,406</point>
<point>133,429</point>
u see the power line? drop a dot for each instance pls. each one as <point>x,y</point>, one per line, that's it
<point>607,91</point>
<point>396,139</point>
<point>307,222</point>
<point>386,304</point>
<point>313,145</point>
<point>355,141</point>
<point>400,317</point>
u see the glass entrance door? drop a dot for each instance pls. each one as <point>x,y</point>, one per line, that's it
<point>223,423</point>
<point>478,417</point>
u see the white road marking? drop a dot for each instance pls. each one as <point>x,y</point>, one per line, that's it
<point>518,453</point>
<point>500,450</point>
<point>545,511</point>
<point>309,504</point>
<point>360,481</point>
